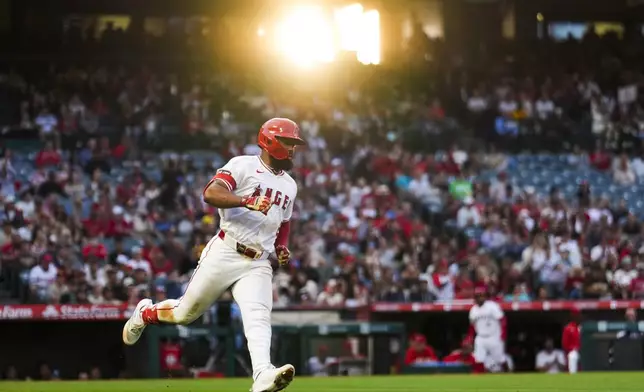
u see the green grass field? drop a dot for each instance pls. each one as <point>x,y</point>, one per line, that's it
<point>485,383</point>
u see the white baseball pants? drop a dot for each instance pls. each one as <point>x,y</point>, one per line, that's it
<point>490,351</point>
<point>219,268</point>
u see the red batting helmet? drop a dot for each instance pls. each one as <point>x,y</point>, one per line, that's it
<point>275,130</point>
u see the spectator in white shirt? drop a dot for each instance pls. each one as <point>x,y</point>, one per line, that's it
<point>320,364</point>
<point>498,189</point>
<point>599,211</point>
<point>76,106</point>
<point>94,273</point>
<point>537,254</point>
<point>468,215</point>
<point>27,205</point>
<point>527,105</point>
<point>638,166</point>
<point>622,277</point>
<point>458,155</point>
<point>138,262</point>
<point>508,105</point>
<point>477,103</point>
<point>494,237</point>
<point>601,252</point>
<point>622,172</point>
<point>41,276</point>
<point>421,187</point>
<point>544,107</point>
<point>46,122</point>
<point>550,360</point>
<point>331,296</point>
<point>555,272</point>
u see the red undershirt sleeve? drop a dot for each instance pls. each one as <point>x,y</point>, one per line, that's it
<point>283,234</point>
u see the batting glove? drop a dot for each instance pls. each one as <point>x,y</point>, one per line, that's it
<point>257,203</point>
<point>283,254</point>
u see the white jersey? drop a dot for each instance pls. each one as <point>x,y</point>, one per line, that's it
<point>248,175</point>
<point>320,368</point>
<point>486,319</point>
<point>552,361</point>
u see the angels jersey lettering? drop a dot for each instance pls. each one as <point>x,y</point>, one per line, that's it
<point>486,319</point>
<point>248,175</point>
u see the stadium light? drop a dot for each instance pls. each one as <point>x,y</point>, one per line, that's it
<point>348,20</point>
<point>369,49</point>
<point>306,37</point>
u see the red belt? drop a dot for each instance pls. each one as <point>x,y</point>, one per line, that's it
<point>242,249</point>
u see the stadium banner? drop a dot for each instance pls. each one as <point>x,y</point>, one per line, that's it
<point>465,305</point>
<point>63,312</point>
<point>122,312</point>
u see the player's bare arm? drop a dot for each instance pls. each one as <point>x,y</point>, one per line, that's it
<point>218,195</point>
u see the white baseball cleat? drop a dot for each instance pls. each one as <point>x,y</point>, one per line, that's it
<point>273,380</point>
<point>134,327</point>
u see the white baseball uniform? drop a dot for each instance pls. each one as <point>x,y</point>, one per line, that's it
<point>489,348</point>
<point>221,266</point>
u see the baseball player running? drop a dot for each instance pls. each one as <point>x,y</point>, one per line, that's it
<point>488,323</point>
<point>254,196</point>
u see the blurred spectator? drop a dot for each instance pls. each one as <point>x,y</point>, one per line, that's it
<point>600,159</point>
<point>622,172</point>
<point>637,283</point>
<point>48,156</point>
<point>549,359</point>
<point>10,374</point>
<point>42,276</point>
<point>319,365</point>
<point>468,215</point>
<point>47,124</point>
<point>419,351</point>
<point>332,295</point>
<point>463,355</point>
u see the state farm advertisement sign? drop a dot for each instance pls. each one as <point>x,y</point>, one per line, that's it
<point>82,312</point>
<point>16,312</point>
<point>63,312</point>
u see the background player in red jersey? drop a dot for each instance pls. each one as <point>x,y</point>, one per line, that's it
<point>571,340</point>
<point>464,355</point>
<point>419,350</point>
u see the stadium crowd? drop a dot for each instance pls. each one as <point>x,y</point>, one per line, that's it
<point>96,214</point>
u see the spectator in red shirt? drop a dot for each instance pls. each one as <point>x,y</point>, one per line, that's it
<point>463,286</point>
<point>637,284</point>
<point>94,248</point>
<point>119,151</point>
<point>571,340</point>
<point>48,156</point>
<point>600,159</point>
<point>463,355</point>
<point>160,264</point>
<point>419,350</point>
<point>121,226</point>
